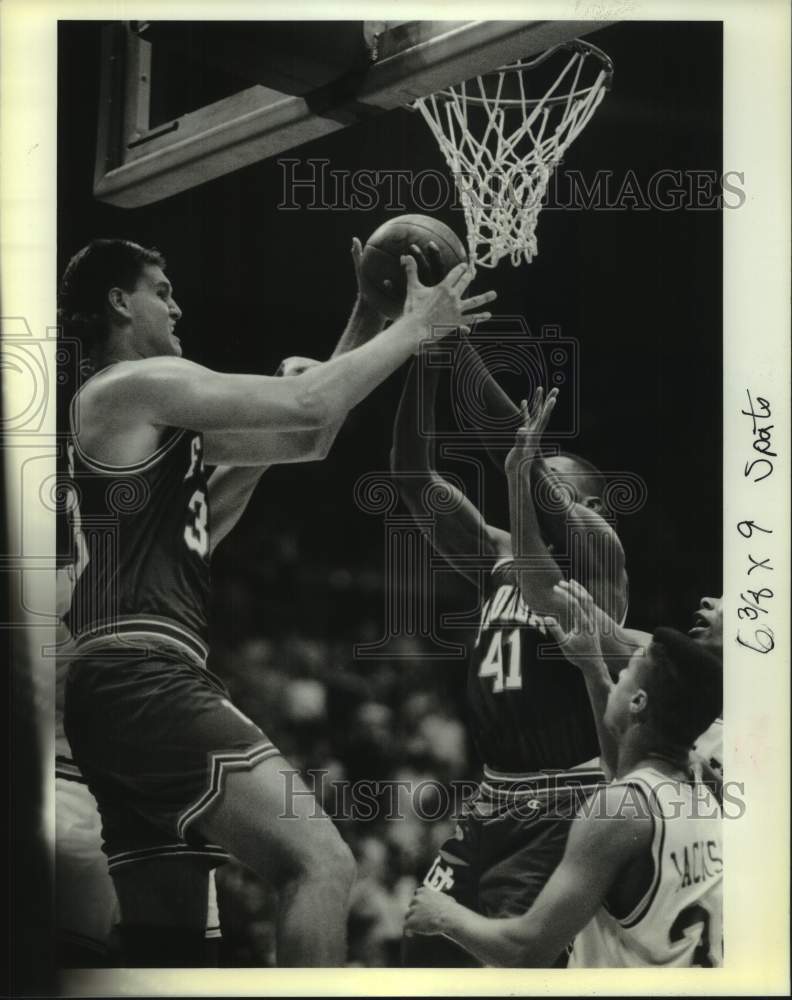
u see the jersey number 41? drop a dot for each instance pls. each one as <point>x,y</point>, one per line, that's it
<point>492,665</point>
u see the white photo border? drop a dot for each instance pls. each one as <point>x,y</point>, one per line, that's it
<point>756,360</point>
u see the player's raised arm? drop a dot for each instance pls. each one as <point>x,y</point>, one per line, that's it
<point>567,519</point>
<point>538,572</point>
<point>581,644</point>
<point>459,529</point>
<point>244,447</point>
<point>172,392</point>
<point>231,486</point>
<point>601,845</point>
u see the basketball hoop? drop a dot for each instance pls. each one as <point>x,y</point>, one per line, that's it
<point>502,146</point>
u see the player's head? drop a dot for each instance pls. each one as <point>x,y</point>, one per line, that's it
<point>672,690</point>
<point>708,625</point>
<point>116,290</point>
<point>584,480</point>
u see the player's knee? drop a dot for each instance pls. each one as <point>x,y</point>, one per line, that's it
<point>323,856</point>
<point>343,863</point>
<point>331,859</point>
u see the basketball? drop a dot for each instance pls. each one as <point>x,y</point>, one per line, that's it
<point>382,258</point>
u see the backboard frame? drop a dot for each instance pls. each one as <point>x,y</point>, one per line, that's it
<point>138,165</point>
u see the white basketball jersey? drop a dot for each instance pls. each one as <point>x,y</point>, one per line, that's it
<point>679,921</point>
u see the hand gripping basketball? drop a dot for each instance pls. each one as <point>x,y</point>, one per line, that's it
<point>441,308</point>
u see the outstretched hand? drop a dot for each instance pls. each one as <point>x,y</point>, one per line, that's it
<point>533,424</point>
<point>580,640</point>
<point>441,307</point>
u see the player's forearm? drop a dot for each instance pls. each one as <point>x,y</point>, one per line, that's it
<point>413,430</point>
<point>537,569</point>
<point>230,490</point>
<point>510,942</point>
<point>340,384</point>
<point>558,512</point>
<point>618,644</point>
<point>598,686</point>
<point>497,404</point>
<point>364,323</point>
<point>564,522</point>
<point>263,448</point>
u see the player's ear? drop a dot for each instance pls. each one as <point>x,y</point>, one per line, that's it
<point>639,702</point>
<point>118,302</point>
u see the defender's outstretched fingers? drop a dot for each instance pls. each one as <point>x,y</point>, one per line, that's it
<point>453,278</point>
<point>544,417</point>
<point>478,317</point>
<point>435,261</point>
<point>478,300</point>
<point>582,596</point>
<point>466,275</point>
<point>553,626</point>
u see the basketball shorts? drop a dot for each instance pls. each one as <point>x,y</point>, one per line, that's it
<point>155,734</point>
<point>507,843</point>
<point>86,907</point>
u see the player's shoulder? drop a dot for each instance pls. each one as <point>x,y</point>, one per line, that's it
<point>616,818</point>
<point>133,373</point>
<point>123,388</point>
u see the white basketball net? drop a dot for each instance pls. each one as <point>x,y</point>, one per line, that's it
<point>502,171</point>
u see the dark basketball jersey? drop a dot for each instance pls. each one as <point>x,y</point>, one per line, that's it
<point>529,706</point>
<point>141,540</point>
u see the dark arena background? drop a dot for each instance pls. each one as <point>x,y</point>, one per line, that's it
<point>303,578</point>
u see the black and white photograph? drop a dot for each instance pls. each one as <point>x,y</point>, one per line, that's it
<point>395,535</point>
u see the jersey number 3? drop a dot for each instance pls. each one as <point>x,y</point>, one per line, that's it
<point>492,664</point>
<point>196,531</point>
